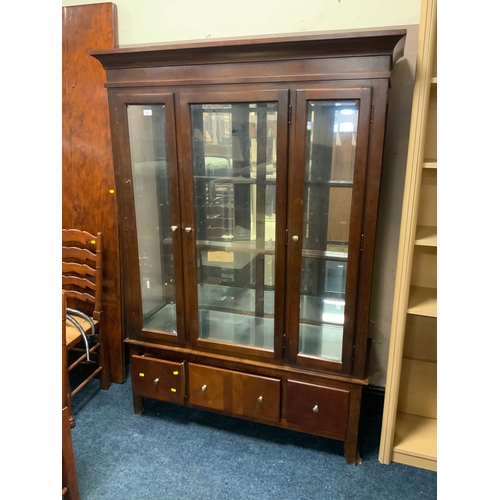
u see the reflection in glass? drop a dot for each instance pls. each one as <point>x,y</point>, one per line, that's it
<point>330,151</point>
<point>234,167</point>
<point>152,210</point>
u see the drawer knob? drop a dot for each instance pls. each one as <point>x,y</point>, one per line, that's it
<point>260,399</point>
<point>204,388</point>
<point>295,237</point>
<point>155,381</point>
<point>315,409</point>
<point>188,229</point>
<point>173,228</point>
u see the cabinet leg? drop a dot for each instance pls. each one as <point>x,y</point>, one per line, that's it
<point>352,456</point>
<point>138,404</point>
<point>351,442</point>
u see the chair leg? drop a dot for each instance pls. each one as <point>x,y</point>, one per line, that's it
<point>69,476</point>
<point>67,392</point>
<point>105,377</point>
<point>66,387</point>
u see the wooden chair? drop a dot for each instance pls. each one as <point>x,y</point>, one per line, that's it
<point>69,477</point>
<point>82,255</point>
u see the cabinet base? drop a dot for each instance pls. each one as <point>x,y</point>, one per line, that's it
<point>304,401</point>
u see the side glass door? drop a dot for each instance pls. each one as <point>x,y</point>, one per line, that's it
<point>330,142</point>
<point>234,221</point>
<point>149,187</point>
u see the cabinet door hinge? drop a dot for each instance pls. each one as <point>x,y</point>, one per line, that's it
<point>286,236</point>
<point>362,241</point>
<point>289,113</point>
<point>373,111</point>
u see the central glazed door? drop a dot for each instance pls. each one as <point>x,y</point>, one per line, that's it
<point>233,150</point>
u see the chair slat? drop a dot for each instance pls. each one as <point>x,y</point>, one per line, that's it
<point>76,235</point>
<point>75,267</point>
<point>79,282</point>
<point>78,253</point>
<point>86,297</point>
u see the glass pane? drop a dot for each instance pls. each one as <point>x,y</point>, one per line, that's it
<point>234,166</point>
<point>152,210</point>
<point>331,144</point>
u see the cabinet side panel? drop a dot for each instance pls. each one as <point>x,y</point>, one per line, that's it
<point>88,200</point>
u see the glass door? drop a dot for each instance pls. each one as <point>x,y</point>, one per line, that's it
<point>234,225</point>
<point>331,139</point>
<point>148,173</point>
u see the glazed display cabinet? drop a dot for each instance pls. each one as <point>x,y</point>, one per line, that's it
<point>247,176</point>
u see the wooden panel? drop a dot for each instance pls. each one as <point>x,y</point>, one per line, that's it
<point>427,208</point>
<point>418,389</point>
<point>424,269</point>
<point>420,338</point>
<point>423,301</point>
<point>210,387</point>
<point>426,236</point>
<point>157,379</point>
<point>430,145</point>
<point>317,407</point>
<point>238,393</point>
<point>415,441</point>
<point>88,200</point>
<point>257,397</point>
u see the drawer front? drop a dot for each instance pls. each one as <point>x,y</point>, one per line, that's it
<point>257,397</point>
<point>157,379</point>
<point>210,387</point>
<point>235,392</point>
<point>317,407</point>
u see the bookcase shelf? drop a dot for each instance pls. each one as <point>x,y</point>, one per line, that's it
<point>423,301</point>
<point>426,236</point>
<point>415,441</point>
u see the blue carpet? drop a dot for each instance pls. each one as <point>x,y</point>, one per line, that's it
<point>176,453</point>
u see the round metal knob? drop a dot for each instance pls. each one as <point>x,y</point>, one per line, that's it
<point>260,399</point>
<point>155,381</point>
<point>173,228</point>
<point>204,388</point>
<point>295,237</point>
<point>315,409</point>
<point>188,229</point>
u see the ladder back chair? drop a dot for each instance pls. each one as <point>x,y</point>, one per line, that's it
<point>82,281</point>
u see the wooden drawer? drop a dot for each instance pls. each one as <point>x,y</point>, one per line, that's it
<point>235,392</point>
<point>157,379</point>
<point>210,387</point>
<point>325,409</point>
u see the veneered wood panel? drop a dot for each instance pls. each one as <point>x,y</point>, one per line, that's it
<point>157,378</point>
<point>420,338</point>
<point>317,407</point>
<point>210,387</point>
<point>418,388</point>
<point>424,269</point>
<point>88,199</point>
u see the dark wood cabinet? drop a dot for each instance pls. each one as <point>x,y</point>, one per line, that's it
<point>247,176</point>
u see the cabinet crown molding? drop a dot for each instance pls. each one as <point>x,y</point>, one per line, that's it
<point>255,49</point>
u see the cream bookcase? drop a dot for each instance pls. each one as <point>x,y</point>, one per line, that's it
<point>409,427</point>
